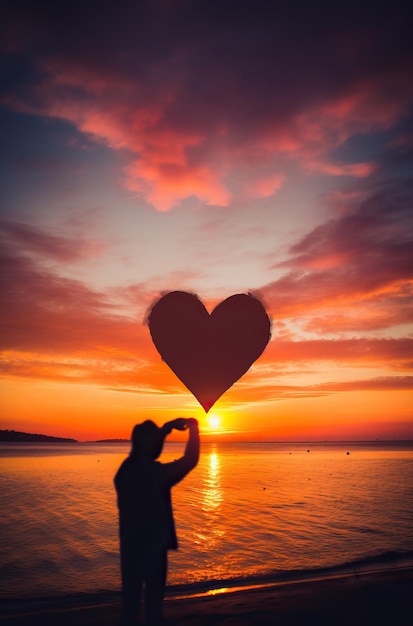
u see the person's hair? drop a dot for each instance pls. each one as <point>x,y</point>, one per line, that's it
<point>147,438</point>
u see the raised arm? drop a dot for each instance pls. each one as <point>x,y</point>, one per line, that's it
<point>177,470</point>
<point>192,448</point>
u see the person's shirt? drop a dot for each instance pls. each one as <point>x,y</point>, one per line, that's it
<point>144,516</point>
<point>144,496</point>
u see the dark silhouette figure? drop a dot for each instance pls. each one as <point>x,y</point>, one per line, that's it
<point>146,523</point>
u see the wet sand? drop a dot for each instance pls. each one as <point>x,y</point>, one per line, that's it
<point>378,597</point>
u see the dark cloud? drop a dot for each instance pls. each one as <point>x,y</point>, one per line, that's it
<point>60,248</point>
<point>42,312</point>
<point>354,272</point>
<point>193,90</point>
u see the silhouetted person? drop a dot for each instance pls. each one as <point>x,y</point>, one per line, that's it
<point>146,523</point>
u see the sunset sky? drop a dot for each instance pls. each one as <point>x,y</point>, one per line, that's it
<point>217,148</point>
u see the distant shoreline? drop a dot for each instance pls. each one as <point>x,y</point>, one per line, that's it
<point>13,436</point>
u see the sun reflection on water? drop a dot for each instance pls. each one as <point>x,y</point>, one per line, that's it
<point>212,499</point>
<point>246,510</point>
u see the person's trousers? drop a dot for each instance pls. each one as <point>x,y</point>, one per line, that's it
<point>143,572</point>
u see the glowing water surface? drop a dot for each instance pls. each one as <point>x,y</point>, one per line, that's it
<point>247,509</point>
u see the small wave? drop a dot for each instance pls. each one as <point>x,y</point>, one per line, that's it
<point>385,558</point>
<point>367,530</point>
<point>380,562</point>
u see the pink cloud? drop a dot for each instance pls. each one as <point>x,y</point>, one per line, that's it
<point>59,248</point>
<point>42,312</point>
<point>191,117</point>
<point>169,164</point>
<point>353,272</point>
<point>356,170</point>
<point>165,184</point>
<point>365,315</point>
<point>393,352</point>
<point>59,329</point>
<point>265,187</point>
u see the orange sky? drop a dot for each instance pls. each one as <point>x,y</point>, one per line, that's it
<point>245,413</point>
<point>276,161</point>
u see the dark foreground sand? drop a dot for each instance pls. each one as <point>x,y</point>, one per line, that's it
<point>381,597</point>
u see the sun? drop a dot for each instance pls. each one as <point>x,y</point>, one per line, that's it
<point>214,421</point>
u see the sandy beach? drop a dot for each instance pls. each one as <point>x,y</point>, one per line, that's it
<point>370,598</point>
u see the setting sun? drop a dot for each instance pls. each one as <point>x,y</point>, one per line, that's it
<point>214,421</point>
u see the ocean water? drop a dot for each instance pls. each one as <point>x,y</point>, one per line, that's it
<point>247,510</point>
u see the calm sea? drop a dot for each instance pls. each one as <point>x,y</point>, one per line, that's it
<point>246,510</point>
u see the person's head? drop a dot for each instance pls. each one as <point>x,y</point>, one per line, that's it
<point>147,440</point>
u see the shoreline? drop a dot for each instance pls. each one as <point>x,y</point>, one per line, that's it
<point>356,597</point>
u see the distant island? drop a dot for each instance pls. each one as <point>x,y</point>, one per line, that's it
<point>14,435</point>
<point>111,441</point>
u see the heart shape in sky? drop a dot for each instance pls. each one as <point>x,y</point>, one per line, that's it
<point>209,352</point>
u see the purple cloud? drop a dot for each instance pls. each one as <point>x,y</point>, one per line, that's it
<point>63,249</point>
<point>195,94</point>
<point>353,272</point>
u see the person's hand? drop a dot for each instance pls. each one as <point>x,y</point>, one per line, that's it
<point>180,423</point>
<point>192,422</point>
